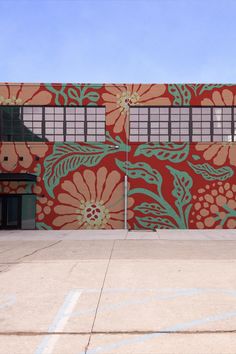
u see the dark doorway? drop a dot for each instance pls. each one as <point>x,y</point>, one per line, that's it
<point>17,211</point>
<point>10,212</point>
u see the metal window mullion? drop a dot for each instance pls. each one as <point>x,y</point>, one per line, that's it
<point>211,125</point>
<point>232,123</point>
<point>21,133</point>
<point>149,125</point>
<point>96,126</point>
<point>64,123</point>
<point>169,124</point>
<point>85,124</point>
<point>23,125</point>
<point>43,123</point>
<point>190,125</point>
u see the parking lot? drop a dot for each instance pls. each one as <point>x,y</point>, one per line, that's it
<point>78,292</point>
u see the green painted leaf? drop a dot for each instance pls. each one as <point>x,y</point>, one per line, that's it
<point>182,184</point>
<point>75,94</point>
<point>149,222</point>
<point>181,94</point>
<point>209,87</point>
<point>194,87</point>
<point>151,208</point>
<point>68,157</point>
<point>174,152</point>
<point>196,157</point>
<point>210,173</point>
<point>42,226</point>
<point>135,227</point>
<point>140,170</point>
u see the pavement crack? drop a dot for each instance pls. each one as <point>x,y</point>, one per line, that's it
<point>99,299</point>
<point>72,268</point>
<point>5,269</point>
<point>72,333</point>
<point>38,250</point>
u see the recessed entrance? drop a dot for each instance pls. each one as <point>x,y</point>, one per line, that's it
<point>17,211</point>
<point>10,212</point>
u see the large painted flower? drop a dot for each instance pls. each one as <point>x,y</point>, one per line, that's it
<point>92,201</point>
<point>218,152</point>
<point>25,151</point>
<point>224,98</point>
<point>22,94</point>
<point>215,206</point>
<point>118,99</point>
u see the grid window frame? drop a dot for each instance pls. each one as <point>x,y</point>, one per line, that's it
<point>200,125</point>
<point>179,123</point>
<point>53,124</point>
<point>32,119</point>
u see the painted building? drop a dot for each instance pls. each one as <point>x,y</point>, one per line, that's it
<point>67,151</point>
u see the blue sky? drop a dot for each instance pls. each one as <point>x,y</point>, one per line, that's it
<point>118,41</point>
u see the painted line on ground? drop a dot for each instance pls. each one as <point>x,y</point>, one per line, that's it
<point>48,343</point>
<point>145,337</point>
<point>9,301</point>
<point>158,290</point>
<point>66,312</point>
<point>143,301</point>
<point>165,294</point>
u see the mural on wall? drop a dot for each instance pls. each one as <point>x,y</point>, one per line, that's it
<point>81,185</point>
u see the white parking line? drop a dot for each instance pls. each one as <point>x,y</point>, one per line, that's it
<point>48,343</point>
<point>9,301</point>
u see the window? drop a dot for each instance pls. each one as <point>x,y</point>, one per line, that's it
<point>95,119</point>
<point>222,124</point>
<point>32,121</point>
<point>139,119</point>
<point>182,124</point>
<point>201,124</point>
<point>52,123</point>
<point>179,124</point>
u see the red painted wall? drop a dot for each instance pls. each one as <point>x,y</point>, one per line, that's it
<point>171,185</point>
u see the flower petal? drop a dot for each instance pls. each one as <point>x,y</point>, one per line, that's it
<point>23,150</point>
<point>89,177</point>
<point>111,182</point>
<point>232,155</point>
<point>65,198</point>
<point>227,97</point>
<point>221,156</point>
<point>8,150</point>
<point>70,187</point>
<point>212,151</point>
<point>217,99</point>
<point>81,186</point>
<point>64,219</point>
<point>62,209</point>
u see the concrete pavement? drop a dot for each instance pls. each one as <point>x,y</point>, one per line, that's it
<point>87,292</point>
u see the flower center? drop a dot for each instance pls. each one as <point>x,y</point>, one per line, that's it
<point>95,214</point>
<point>127,99</point>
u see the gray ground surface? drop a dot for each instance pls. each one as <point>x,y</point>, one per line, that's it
<point>77,292</point>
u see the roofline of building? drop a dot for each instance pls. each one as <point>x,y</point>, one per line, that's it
<point>111,84</point>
